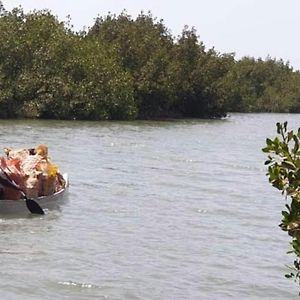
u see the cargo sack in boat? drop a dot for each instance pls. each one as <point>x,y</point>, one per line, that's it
<point>33,171</point>
<point>48,178</point>
<point>12,168</point>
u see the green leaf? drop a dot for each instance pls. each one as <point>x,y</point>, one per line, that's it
<point>266,149</point>
<point>285,213</point>
<point>278,127</point>
<point>288,164</point>
<point>269,142</point>
<point>296,146</point>
<point>276,142</point>
<point>290,135</point>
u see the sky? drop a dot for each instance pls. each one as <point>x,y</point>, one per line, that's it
<point>246,27</point>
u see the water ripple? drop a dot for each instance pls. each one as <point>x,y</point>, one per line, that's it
<point>157,210</point>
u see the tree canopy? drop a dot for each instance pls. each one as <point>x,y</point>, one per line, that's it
<point>126,68</point>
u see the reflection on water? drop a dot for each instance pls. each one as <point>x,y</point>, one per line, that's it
<point>157,210</point>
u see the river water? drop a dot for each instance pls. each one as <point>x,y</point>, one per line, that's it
<point>156,210</point>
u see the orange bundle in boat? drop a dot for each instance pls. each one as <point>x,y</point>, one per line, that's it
<point>33,171</point>
<point>12,167</point>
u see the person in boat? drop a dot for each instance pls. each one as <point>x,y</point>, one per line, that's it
<point>7,189</point>
<point>2,187</point>
<point>32,171</point>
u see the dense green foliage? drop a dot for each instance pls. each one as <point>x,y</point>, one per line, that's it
<point>284,174</point>
<point>125,68</point>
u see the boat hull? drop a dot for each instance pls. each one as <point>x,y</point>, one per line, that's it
<point>17,207</point>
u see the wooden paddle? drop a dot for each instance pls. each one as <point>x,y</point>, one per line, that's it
<point>32,205</point>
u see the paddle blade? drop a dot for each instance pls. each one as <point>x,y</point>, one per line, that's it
<point>34,207</point>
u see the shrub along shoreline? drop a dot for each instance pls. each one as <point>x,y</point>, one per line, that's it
<point>123,69</point>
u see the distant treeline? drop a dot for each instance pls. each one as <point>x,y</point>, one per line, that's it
<point>125,68</point>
